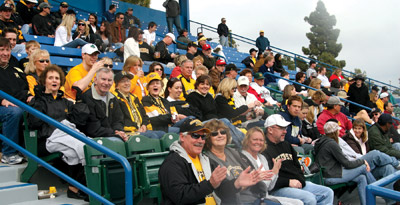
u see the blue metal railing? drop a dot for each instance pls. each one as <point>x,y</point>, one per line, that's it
<point>295,56</point>
<point>108,152</point>
<point>294,82</point>
<point>377,189</point>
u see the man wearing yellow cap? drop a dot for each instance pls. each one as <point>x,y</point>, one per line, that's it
<point>262,42</point>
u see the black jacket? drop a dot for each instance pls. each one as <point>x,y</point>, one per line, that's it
<point>26,13</point>
<point>165,55</point>
<point>59,109</point>
<point>278,64</point>
<point>160,122</point>
<point>329,155</point>
<point>290,168</point>
<point>222,30</point>
<point>358,95</point>
<point>13,82</point>
<point>172,8</point>
<point>205,104</point>
<point>310,130</point>
<point>99,124</point>
<point>184,108</point>
<point>247,62</point>
<point>226,109</point>
<point>208,62</point>
<point>146,52</point>
<point>42,25</point>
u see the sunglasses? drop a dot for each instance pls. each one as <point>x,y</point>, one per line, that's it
<point>108,65</point>
<point>157,69</point>
<point>222,132</point>
<point>197,136</point>
<point>81,24</point>
<point>44,60</point>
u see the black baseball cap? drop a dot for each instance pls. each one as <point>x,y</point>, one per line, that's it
<point>230,67</point>
<point>6,7</point>
<point>118,77</point>
<point>193,125</point>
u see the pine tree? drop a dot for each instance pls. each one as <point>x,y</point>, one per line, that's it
<point>323,37</point>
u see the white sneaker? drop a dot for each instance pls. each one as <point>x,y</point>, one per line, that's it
<point>12,159</point>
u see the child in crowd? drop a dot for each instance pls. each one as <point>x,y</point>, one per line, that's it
<point>30,47</point>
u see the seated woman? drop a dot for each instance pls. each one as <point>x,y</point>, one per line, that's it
<point>203,101</point>
<point>199,71</point>
<point>131,44</point>
<point>337,74</point>
<point>83,32</point>
<point>308,127</point>
<point>135,119</point>
<point>162,115</point>
<point>36,65</point>
<point>63,35</point>
<point>300,78</point>
<point>253,145</point>
<point>237,164</point>
<point>315,83</point>
<point>338,169</point>
<point>288,91</point>
<point>133,65</point>
<point>49,100</point>
<point>105,36</point>
<point>158,68</point>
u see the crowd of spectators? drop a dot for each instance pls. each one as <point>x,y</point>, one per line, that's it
<point>204,100</point>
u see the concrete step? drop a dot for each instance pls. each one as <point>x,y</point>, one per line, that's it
<point>16,192</point>
<point>61,198</point>
<point>11,173</point>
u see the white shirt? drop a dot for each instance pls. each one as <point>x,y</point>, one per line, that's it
<point>93,28</point>
<point>309,72</point>
<point>282,84</point>
<point>264,92</point>
<point>325,81</point>
<point>240,100</point>
<point>61,37</point>
<point>131,48</point>
<point>150,37</point>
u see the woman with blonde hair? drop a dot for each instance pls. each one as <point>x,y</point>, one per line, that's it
<point>63,36</point>
<point>337,74</point>
<point>83,32</point>
<point>315,83</point>
<point>36,65</point>
<point>133,65</point>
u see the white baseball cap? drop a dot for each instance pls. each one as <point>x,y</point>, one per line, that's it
<point>276,119</point>
<point>171,36</point>
<point>331,127</point>
<point>383,95</point>
<point>243,80</point>
<point>90,49</point>
<point>32,1</point>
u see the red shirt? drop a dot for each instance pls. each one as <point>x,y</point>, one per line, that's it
<point>175,72</point>
<point>254,92</point>
<point>344,122</point>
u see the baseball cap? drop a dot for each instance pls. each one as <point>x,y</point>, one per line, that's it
<point>375,88</point>
<point>230,67</point>
<point>130,9</point>
<point>64,4</point>
<point>118,77</point>
<point>359,77</point>
<point>220,62</point>
<point>44,5</point>
<point>252,50</point>
<point>5,7</point>
<point>383,95</point>
<point>331,127</point>
<point>334,100</point>
<point>203,38</point>
<point>90,49</point>
<point>276,119</point>
<point>243,80</point>
<point>342,94</point>
<point>171,36</point>
<point>152,76</point>
<point>192,44</point>
<point>261,31</point>
<point>206,47</point>
<point>384,118</point>
<point>32,1</point>
<point>193,125</point>
<point>259,76</point>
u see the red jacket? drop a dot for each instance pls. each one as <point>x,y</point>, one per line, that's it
<point>344,122</point>
<point>175,72</point>
<point>254,92</point>
<point>335,77</point>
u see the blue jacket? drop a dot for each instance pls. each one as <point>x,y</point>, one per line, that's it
<point>262,43</point>
<point>295,123</point>
<point>268,78</point>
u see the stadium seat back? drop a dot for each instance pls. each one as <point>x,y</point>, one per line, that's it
<point>167,140</point>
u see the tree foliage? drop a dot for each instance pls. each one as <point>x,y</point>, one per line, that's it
<point>323,37</point>
<point>144,3</point>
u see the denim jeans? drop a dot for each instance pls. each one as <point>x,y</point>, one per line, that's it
<point>10,117</point>
<point>25,29</point>
<point>75,43</point>
<point>223,40</point>
<point>311,194</point>
<point>153,134</point>
<point>174,20</point>
<point>376,158</point>
<point>396,145</point>
<point>358,175</point>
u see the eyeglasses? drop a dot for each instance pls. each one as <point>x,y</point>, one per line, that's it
<point>81,24</point>
<point>121,18</point>
<point>280,128</point>
<point>44,60</point>
<point>108,65</point>
<point>197,136</point>
<point>158,69</point>
<point>222,132</point>
<point>64,7</point>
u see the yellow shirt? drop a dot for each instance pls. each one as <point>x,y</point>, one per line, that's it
<point>197,164</point>
<point>379,103</point>
<point>138,86</point>
<point>187,86</point>
<point>32,82</point>
<point>75,74</point>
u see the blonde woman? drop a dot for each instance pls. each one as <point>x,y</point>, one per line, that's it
<point>83,32</point>
<point>36,65</point>
<point>315,83</point>
<point>63,35</point>
<point>133,65</point>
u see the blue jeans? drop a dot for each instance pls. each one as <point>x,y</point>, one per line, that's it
<point>153,134</point>
<point>358,175</point>
<point>223,40</point>
<point>25,29</point>
<point>75,43</point>
<point>376,158</point>
<point>174,20</point>
<point>396,145</point>
<point>311,194</point>
<point>10,117</point>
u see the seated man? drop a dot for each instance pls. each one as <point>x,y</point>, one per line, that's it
<point>281,82</point>
<point>191,50</point>
<point>378,137</point>
<point>321,75</point>
<point>185,175</point>
<point>262,93</point>
<point>42,22</point>
<point>186,78</point>
<point>209,60</point>
<point>106,117</point>
<point>334,106</point>
<point>216,73</point>
<point>383,98</point>
<point>183,38</point>
<point>161,50</point>
<point>293,135</point>
<point>118,31</point>
<point>291,182</point>
<point>13,82</point>
<point>149,35</point>
<point>231,71</point>
<point>250,61</point>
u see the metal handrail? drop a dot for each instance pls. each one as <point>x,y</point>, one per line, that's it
<point>329,67</point>
<point>377,189</point>
<point>124,162</point>
<point>351,102</point>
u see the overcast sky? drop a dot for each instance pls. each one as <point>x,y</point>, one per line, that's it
<point>369,29</point>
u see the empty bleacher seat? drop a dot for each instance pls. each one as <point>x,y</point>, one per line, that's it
<point>62,51</point>
<point>43,40</point>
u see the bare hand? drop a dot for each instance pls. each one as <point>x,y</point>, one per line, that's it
<point>367,166</point>
<point>173,55</point>
<point>97,66</point>
<point>29,99</point>
<point>181,117</point>
<point>266,175</point>
<point>301,140</point>
<point>122,135</point>
<point>142,128</point>
<point>217,176</point>
<point>7,103</point>
<point>140,73</point>
<point>277,166</point>
<point>246,178</point>
<point>294,183</point>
